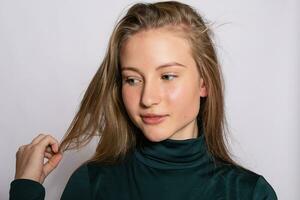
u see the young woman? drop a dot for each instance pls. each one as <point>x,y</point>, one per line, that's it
<point>157,105</point>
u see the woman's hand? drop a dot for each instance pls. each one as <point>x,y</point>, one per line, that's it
<point>30,158</point>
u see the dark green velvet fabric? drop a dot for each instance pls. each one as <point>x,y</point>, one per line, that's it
<point>170,169</point>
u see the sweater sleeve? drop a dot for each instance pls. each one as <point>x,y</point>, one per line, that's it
<point>26,189</point>
<point>78,186</point>
<point>263,190</point>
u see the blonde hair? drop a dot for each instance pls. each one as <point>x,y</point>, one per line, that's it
<point>102,112</point>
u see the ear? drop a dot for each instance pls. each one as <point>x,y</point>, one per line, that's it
<point>203,90</point>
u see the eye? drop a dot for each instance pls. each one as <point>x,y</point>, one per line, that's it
<point>133,81</point>
<point>169,75</point>
<point>130,81</point>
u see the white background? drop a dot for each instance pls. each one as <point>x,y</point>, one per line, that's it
<point>49,51</point>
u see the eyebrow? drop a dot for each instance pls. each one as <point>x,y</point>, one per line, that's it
<point>159,67</point>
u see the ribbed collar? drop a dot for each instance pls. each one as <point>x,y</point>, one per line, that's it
<point>174,154</point>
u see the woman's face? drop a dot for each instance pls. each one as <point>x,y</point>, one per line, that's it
<point>159,76</point>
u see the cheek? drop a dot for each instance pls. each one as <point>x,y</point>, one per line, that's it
<point>129,98</point>
<point>184,98</point>
<point>183,93</point>
<point>125,97</point>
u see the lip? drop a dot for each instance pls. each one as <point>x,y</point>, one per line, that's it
<point>151,115</point>
<point>153,119</point>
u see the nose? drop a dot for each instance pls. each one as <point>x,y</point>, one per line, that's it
<point>150,94</point>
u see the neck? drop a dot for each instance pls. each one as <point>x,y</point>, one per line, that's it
<point>174,154</point>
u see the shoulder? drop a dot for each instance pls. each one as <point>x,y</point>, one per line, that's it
<point>78,185</point>
<point>235,173</point>
<point>244,181</point>
<point>80,171</point>
<point>263,190</point>
<point>87,171</point>
<point>96,169</point>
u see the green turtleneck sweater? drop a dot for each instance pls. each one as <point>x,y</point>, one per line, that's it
<point>169,169</point>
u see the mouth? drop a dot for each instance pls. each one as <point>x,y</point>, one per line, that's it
<point>153,119</point>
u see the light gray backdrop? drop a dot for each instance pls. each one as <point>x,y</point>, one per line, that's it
<point>49,51</point>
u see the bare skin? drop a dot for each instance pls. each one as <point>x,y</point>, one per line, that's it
<point>30,158</point>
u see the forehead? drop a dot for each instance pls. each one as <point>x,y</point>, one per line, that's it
<point>154,48</point>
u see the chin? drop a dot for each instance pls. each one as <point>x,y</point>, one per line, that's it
<point>155,137</point>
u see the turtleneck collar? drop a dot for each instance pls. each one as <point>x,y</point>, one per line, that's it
<point>174,154</point>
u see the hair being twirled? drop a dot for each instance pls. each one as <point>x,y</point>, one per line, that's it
<point>102,113</point>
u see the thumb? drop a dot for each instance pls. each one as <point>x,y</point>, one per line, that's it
<point>52,163</point>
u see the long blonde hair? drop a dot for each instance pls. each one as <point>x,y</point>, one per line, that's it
<point>102,112</point>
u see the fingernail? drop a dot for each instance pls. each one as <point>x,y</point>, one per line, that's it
<point>55,148</point>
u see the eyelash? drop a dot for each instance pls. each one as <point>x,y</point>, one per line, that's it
<point>127,80</point>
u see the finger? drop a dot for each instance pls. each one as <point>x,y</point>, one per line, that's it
<point>49,141</point>
<point>49,149</point>
<point>38,138</point>
<point>48,155</point>
<point>52,163</point>
<point>21,148</point>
